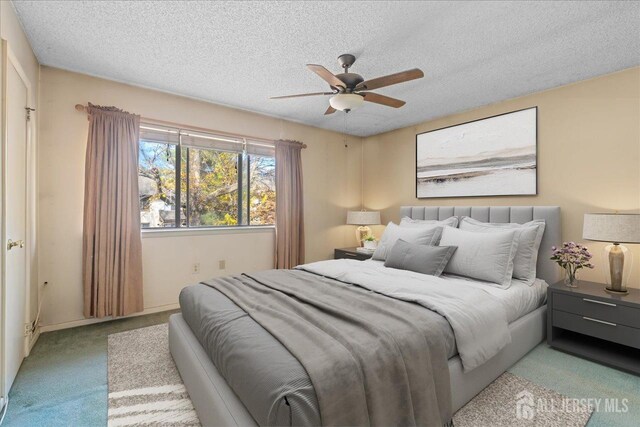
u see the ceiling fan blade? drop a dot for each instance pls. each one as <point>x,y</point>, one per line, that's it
<point>381,99</point>
<point>391,79</point>
<point>330,110</point>
<point>302,94</point>
<point>326,75</point>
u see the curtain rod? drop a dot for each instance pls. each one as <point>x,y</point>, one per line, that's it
<point>80,107</point>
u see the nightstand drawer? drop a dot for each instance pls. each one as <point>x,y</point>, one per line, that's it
<point>350,254</point>
<point>598,328</point>
<point>598,309</point>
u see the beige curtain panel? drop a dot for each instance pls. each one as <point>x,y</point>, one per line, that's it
<point>289,205</point>
<point>112,249</point>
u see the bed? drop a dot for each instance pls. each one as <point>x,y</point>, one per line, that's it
<point>218,403</point>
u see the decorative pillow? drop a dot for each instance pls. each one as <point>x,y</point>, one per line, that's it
<point>529,238</point>
<point>482,256</point>
<point>419,235</point>
<point>423,259</point>
<point>452,221</point>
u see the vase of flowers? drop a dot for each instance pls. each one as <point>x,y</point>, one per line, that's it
<point>571,257</point>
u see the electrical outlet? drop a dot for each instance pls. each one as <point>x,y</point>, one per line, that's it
<point>222,264</point>
<point>196,268</point>
<point>28,329</point>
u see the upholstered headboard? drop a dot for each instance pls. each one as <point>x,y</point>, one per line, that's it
<point>546,269</point>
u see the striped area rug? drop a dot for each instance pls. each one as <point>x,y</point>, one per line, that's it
<point>144,385</point>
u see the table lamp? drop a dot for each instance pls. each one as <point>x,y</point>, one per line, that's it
<point>614,228</point>
<point>363,219</point>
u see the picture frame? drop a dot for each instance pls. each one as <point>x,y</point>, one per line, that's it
<point>489,157</point>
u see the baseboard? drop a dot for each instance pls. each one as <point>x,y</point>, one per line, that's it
<point>84,322</point>
<point>32,341</point>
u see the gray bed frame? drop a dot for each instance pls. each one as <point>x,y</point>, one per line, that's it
<point>217,405</point>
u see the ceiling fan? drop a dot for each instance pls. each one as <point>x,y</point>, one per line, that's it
<point>350,90</point>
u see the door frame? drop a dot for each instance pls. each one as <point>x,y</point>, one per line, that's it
<point>8,58</point>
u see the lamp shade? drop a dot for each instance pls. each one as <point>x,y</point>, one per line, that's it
<point>363,218</point>
<point>611,227</point>
<point>346,101</point>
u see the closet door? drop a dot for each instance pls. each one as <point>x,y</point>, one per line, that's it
<point>15,219</point>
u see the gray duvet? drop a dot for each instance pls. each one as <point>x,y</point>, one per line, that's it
<point>271,383</point>
<point>336,325</point>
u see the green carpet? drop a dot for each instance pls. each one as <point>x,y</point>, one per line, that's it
<point>64,380</point>
<point>581,379</point>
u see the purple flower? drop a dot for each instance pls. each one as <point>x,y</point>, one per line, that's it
<point>572,256</point>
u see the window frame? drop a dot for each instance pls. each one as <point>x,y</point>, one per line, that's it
<point>242,157</point>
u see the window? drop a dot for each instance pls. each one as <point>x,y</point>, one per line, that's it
<point>194,179</point>
<point>262,189</point>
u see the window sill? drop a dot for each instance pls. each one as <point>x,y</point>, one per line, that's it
<point>179,232</point>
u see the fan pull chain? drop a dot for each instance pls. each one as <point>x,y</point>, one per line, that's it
<point>345,131</point>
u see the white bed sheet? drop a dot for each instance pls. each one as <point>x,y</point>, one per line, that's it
<point>519,299</point>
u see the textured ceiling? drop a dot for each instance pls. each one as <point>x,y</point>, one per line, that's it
<point>240,53</point>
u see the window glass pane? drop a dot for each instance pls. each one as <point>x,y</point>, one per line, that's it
<point>212,188</point>
<point>220,184</point>
<point>244,194</point>
<point>183,186</point>
<point>262,190</point>
<point>157,181</point>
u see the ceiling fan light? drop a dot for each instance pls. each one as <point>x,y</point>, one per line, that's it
<point>346,101</point>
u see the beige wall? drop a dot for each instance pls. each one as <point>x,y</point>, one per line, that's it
<point>331,185</point>
<point>588,157</point>
<point>18,44</point>
<point>588,148</point>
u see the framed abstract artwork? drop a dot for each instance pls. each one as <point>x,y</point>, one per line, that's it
<point>494,156</point>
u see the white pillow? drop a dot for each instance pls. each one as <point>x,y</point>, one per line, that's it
<point>452,221</point>
<point>482,256</point>
<point>529,238</point>
<point>417,235</point>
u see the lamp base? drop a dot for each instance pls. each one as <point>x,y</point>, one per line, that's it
<point>617,263</point>
<point>361,233</point>
<point>615,292</point>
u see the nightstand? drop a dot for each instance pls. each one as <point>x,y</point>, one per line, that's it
<point>350,253</point>
<point>589,322</point>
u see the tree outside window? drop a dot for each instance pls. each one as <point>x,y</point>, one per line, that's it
<point>210,186</point>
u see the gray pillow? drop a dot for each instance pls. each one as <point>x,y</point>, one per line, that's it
<point>482,256</point>
<point>419,235</point>
<point>423,259</point>
<point>529,237</point>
